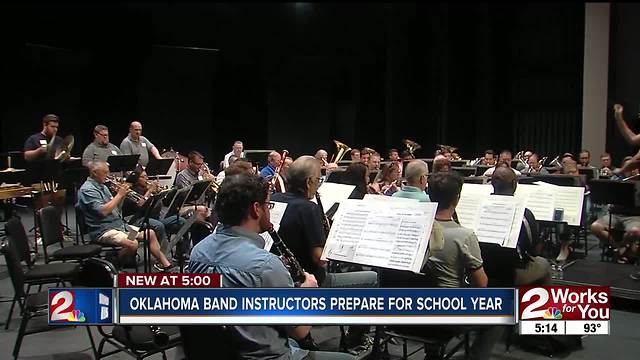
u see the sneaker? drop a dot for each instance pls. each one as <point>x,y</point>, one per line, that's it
<point>357,347</point>
<point>159,267</point>
<point>635,276</point>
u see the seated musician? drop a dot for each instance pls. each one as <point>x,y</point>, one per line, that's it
<point>394,155</point>
<point>441,164</point>
<point>374,161</point>
<point>416,174</point>
<point>195,171</point>
<point>43,145</point>
<point>235,251</point>
<point>505,158</point>
<point>145,188</point>
<point>355,155</point>
<point>489,158</point>
<point>606,167</point>
<point>302,228</point>
<point>534,166</point>
<point>100,149</point>
<point>460,256</point>
<point>406,155</point>
<point>135,143</point>
<point>387,181</point>
<point>237,151</point>
<point>222,173</point>
<point>585,158</point>
<point>104,219</point>
<point>322,156</point>
<point>365,154</point>
<point>508,267</point>
<point>273,161</point>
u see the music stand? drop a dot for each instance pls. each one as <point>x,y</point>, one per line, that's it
<point>73,176</point>
<point>122,163</point>
<point>336,176</point>
<point>257,157</point>
<point>464,171</point>
<point>158,166</point>
<point>144,226</point>
<point>458,163</point>
<point>560,179</point>
<point>372,175</point>
<point>198,189</point>
<point>588,172</point>
<point>177,202</point>
<point>481,169</point>
<point>612,192</point>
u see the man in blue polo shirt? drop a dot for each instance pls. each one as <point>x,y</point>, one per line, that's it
<point>274,160</point>
<point>416,174</point>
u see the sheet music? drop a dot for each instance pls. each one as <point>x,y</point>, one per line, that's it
<point>499,220</point>
<point>373,197</point>
<point>471,197</point>
<point>276,215</point>
<point>386,234</point>
<point>570,198</point>
<point>540,200</point>
<point>331,193</point>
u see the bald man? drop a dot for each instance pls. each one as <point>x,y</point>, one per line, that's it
<point>524,268</point>
<point>135,144</point>
<point>273,161</point>
<point>104,220</point>
<point>441,164</point>
<point>416,174</point>
<point>322,157</point>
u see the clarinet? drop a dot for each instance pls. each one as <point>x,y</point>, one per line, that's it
<point>288,259</point>
<point>325,219</point>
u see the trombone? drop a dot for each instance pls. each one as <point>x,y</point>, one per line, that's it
<point>341,149</point>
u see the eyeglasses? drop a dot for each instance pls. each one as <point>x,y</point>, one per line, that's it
<point>270,205</point>
<point>105,135</point>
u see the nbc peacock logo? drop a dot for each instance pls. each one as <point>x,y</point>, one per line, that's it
<point>76,316</point>
<point>552,313</point>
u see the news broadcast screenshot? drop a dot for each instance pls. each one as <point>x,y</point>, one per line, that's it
<point>320,181</point>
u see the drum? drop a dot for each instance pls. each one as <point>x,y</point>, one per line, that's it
<point>96,272</point>
<point>180,162</point>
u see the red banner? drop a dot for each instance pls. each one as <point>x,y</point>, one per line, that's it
<point>168,280</point>
<point>564,303</point>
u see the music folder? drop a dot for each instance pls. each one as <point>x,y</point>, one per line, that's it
<point>121,163</point>
<point>177,202</point>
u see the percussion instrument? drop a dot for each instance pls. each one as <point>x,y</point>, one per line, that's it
<point>180,163</point>
<point>14,191</point>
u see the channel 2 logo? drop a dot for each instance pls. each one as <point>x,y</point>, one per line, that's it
<point>80,306</point>
<point>564,303</point>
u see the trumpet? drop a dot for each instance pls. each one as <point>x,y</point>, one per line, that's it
<point>115,185</point>
<point>214,186</point>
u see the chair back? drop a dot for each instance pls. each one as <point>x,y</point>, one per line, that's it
<point>49,221</point>
<point>81,222</point>
<point>16,273</point>
<point>16,230</point>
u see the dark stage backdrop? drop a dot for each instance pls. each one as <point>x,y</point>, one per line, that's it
<point>296,76</point>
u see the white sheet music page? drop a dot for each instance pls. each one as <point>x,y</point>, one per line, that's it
<point>331,193</point>
<point>570,198</point>
<point>389,234</point>
<point>499,220</point>
<point>276,215</point>
<point>540,199</point>
<point>471,197</point>
<point>373,197</point>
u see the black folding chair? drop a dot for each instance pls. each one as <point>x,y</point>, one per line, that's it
<point>48,218</point>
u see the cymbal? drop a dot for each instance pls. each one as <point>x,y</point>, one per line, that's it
<point>12,170</point>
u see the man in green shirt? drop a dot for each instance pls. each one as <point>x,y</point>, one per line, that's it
<point>416,174</point>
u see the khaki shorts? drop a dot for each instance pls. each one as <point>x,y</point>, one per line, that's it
<point>116,237</point>
<point>621,222</point>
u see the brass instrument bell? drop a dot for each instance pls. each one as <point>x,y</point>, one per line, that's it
<point>342,149</point>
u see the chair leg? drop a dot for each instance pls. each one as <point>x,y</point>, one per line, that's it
<point>13,305</point>
<point>23,327</point>
<point>164,355</point>
<point>93,344</point>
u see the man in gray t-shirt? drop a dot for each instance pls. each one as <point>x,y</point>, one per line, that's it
<point>135,143</point>
<point>100,149</point>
